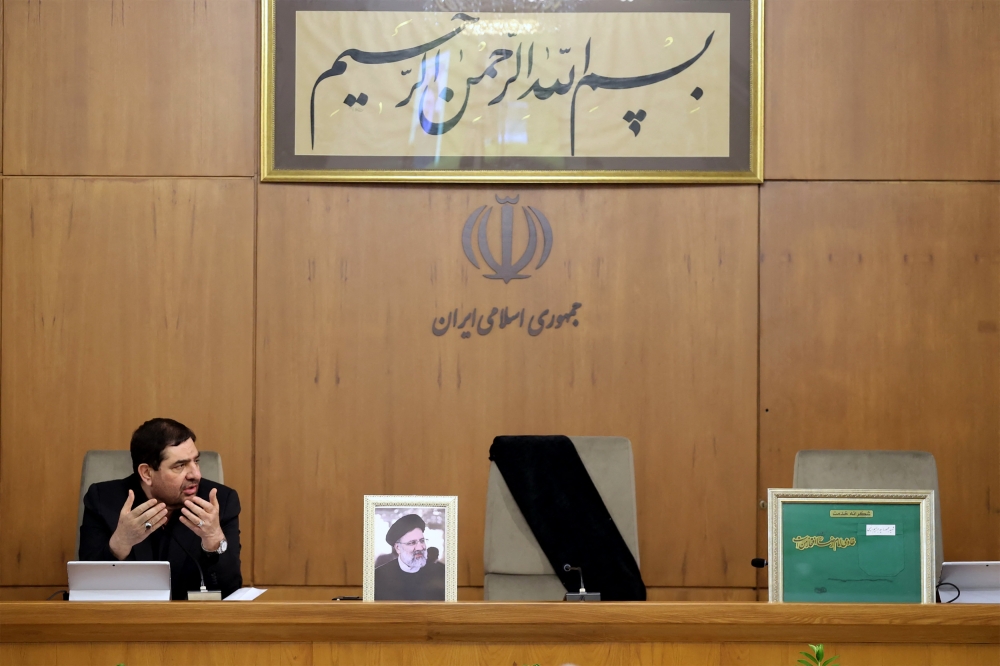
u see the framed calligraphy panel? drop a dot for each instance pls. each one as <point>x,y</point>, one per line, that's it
<point>860,546</point>
<point>512,90</point>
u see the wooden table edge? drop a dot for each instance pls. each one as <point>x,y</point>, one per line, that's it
<point>498,622</point>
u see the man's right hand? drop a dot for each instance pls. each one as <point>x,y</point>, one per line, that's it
<point>132,524</point>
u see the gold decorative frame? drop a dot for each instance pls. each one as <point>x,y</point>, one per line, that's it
<point>777,497</point>
<point>269,173</point>
<point>450,505</point>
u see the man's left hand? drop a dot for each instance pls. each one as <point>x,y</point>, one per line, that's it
<point>202,518</point>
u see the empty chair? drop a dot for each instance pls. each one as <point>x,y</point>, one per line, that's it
<point>873,470</point>
<point>516,568</point>
<point>110,465</point>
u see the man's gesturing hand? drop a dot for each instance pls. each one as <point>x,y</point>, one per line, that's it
<point>134,525</point>
<point>203,519</point>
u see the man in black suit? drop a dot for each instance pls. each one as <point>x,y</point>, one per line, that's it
<point>180,517</point>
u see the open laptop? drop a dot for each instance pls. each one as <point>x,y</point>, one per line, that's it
<point>119,581</point>
<point>978,582</point>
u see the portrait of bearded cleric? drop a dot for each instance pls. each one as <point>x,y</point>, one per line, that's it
<point>410,554</point>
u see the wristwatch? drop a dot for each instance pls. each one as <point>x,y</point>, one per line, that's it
<point>221,550</point>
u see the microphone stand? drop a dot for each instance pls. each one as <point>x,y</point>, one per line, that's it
<point>582,595</point>
<point>204,594</point>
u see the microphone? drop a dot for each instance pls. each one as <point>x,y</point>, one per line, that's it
<point>567,567</point>
<point>758,563</point>
<point>204,594</point>
<point>582,595</point>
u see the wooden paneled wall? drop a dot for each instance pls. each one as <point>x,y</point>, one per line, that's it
<point>356,395</point>
<point>906,355</point>
<point>146,272</point>
<point>128,285</point>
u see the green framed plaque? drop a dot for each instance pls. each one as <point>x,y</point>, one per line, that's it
<point>854,546</point>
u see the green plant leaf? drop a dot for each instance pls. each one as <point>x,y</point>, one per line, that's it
<point>830,660</point>
<point>803,661</point>
<point>811,658</point>
<point>819,653</point>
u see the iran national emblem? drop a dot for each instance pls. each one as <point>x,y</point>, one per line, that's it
<point>506,269</point>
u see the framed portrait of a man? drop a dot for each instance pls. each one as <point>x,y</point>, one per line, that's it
<point>411,548</point>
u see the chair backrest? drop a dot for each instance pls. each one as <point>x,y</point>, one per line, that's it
<point>874,470</point>
<point>515,565</point>
<point>110,465</point>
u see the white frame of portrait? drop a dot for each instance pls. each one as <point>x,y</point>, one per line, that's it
<point>447,502</point>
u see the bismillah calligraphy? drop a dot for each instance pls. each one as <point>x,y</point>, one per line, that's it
<point>807,542</point>
<point>430,68</point>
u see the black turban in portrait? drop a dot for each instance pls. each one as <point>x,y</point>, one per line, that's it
<point>407,523</point>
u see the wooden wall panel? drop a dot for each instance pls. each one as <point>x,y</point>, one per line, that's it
<point>31,593</point>
<point>122,300</point>
<point>109,87</point>
<point>882,90</point>
<point>880,310</point>
<point>1,84</point>
<point>356,395</point>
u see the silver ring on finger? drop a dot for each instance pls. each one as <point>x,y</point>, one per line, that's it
<point>200,523</point>
<point>148,525</point>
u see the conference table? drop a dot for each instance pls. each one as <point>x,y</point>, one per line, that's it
<point>474,633</point>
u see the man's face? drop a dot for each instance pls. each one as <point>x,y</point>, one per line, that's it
<point>412,549</point>
<point>178,477</point>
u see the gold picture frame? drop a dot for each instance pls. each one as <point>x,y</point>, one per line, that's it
<point>436,518</point>
<point>356,155</point>
<point>870,509</point>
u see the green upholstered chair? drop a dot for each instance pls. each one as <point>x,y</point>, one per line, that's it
<point>873,470</point>
<point>110,465</point>
<point>515,565</point>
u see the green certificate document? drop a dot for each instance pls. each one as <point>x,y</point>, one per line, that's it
<point>854,559</point>
<point>825,550</point>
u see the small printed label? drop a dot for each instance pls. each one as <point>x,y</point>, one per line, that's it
<point>852,513</point>
<point>880,530</point>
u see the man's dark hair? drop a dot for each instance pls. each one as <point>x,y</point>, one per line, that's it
<point>152,437</point>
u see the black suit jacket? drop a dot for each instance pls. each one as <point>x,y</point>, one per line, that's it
<point>173,542</point>
<point>426,584</point>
